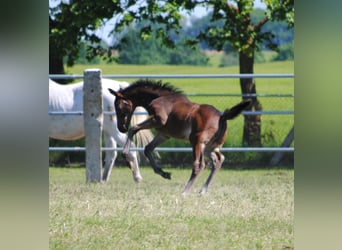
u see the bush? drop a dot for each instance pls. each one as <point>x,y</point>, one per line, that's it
<point>285,53</point>
<point>135,50</point>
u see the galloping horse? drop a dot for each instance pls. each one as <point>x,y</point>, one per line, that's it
<point>172,114</point>
<point>70,127</point>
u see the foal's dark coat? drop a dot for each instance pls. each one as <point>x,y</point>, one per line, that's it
<point>172,114</point>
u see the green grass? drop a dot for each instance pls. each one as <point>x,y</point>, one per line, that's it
<point>243,210</point>
<point>212,86</point>
<point>203,85</point>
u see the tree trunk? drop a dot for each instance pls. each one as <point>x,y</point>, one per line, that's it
<point>55,51</point>
<point>252,125</point>
<point>56,67</point>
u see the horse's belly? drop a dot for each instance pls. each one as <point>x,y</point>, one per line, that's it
<point>179,131</point>
<point>185,133</point>
<point>66,127</point>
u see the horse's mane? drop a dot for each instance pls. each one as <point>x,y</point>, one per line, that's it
<point>155,85</point>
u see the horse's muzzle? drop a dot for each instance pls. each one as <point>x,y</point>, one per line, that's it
<point>123,128</point>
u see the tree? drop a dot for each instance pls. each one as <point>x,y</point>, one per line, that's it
<point>237,29</point>
<point>74,23</point>
<point>245,37</point>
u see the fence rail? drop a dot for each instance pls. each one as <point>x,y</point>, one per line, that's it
<point>182,149</point>
<point>116,76</point>
<point>273,112</point>
<point>188,149</point>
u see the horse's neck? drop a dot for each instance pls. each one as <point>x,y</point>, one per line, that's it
<point>144,97</point>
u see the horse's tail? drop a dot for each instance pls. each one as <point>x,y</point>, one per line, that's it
<point>229,114</point>
<point>233,112</point>
<point>143,137</point>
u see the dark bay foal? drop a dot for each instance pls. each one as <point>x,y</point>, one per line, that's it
<point>172,114</point>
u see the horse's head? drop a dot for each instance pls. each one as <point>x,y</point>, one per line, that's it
<point>124,109</point>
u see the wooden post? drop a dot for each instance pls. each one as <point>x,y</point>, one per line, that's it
<point>93,120</point>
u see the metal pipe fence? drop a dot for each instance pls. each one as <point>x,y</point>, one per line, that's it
<point>178,76</point>
<point>181,149</point>
<point>167,76</point>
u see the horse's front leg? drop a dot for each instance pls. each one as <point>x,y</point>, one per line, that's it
<point>130,157</point>
<point>128,143</point>
<point>148,153</point>
<point>147,124</point>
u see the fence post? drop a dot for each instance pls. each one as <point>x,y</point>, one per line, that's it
<point>93,120</point>
<point>286,143</point>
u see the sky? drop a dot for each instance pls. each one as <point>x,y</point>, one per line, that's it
<point>104,31</point>
<point>198,12</point>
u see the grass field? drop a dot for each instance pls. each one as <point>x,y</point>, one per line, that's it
<point>203,85</point>
<point>243,210</point>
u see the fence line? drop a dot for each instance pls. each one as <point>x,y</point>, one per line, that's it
<point>273,112</point>
<point>242,95</point>
<point>188,149</point>
<point>182,149</point>
<point>116,76</point>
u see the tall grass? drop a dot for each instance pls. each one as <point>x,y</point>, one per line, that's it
<point>243,210</point>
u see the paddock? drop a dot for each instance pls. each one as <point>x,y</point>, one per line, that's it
<point>283,146</point>
<point>250,209</point>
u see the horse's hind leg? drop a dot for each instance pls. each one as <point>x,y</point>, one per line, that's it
<point>148,152</point>
<point>198,165</point>
<point>109,158</point>
<point>217,160</point>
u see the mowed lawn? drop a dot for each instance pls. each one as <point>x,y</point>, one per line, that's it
<point>205,86</point>
<point>251,209</point>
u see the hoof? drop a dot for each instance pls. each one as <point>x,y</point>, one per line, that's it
<point>203,192</point>
<point>184,193</point>
<point>104,179</point>
<point>166,175</point>
<point>138,179</point>
<point>163,174</point>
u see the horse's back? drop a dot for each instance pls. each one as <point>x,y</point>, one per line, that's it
<point>185,118</point>
<point>66,98</point>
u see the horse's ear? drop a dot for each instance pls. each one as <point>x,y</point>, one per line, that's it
<point>116,94</point>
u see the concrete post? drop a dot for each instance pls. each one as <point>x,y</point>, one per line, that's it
<point>93,120</point>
